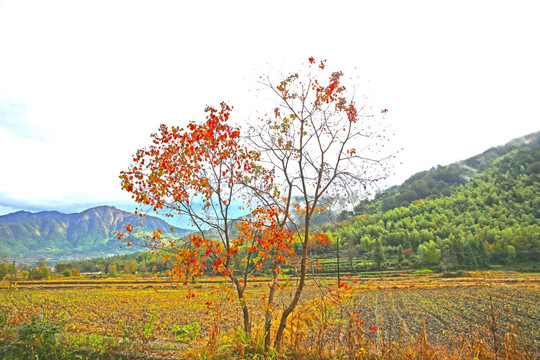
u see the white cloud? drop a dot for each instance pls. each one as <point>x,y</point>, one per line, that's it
<point>96,78</point>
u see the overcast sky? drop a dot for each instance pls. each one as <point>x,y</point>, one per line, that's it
<point>84,83</point>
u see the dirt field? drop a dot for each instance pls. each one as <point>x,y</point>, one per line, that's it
<point>398,310</point>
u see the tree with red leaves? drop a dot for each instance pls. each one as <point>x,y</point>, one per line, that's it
<point>311,149</point>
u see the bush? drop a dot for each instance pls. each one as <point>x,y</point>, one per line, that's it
<point>67,273</point>
<point>449,274</point>
<point>39,273</point>
<point>404,263</point>
<point>39,335</point>
<point>186,333</point>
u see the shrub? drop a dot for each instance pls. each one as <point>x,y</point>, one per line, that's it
<point>67,273</point>
<point>39,335</point>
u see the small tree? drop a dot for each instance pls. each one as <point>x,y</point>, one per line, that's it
<point>39,273</point>
<point>61,267</point>
<point>112,270</point>
<point>4,269</point>
<point>431,255</point>
<point>377,256</point>
<point>294,163</point>
<point>67,273</point>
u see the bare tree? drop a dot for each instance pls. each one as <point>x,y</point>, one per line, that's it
<point>321,144</point>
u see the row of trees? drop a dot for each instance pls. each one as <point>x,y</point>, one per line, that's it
<point>143,263</point>
<point>10,271</point>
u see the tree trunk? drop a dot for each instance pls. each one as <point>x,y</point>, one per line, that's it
<point>12,275</point>
<point>268,314</point>
<point>294,302</point>
<point>243,305</point>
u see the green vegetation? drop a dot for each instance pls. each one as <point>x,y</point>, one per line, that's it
<point>128,264</point>
<point>441,180</point>
<point>494,219</point>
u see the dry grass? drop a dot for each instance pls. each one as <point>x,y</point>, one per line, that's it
<point>487,316</point>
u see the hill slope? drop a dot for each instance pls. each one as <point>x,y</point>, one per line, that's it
<point>492,219</point>
<point>442,180</point>
<point>51,234</point>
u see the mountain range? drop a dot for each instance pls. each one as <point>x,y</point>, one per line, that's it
<point>57,236</point>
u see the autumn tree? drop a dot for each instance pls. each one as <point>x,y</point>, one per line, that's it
<point>205,174</point>
<point>321,143</point>
<point>315,145</point>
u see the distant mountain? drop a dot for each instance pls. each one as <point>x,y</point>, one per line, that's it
<point>441,180</point>
<point>26,216</point>
<point>57,236</point>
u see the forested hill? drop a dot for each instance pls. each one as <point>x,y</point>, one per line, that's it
<point>492,219</point>
<point>442,180</point>
<point>54,235</point>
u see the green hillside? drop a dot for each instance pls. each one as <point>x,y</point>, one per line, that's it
<point>492,219</point>
<point>441,180</point>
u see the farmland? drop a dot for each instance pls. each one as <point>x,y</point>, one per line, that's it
<point>366,316</point>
